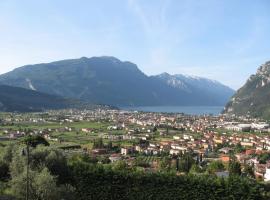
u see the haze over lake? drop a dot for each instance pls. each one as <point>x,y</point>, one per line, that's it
<point>191,110</point>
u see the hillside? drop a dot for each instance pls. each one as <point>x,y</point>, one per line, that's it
<point>206,90</point>
<point>14,99</point>
<point>253,98</point>
<point>107,80</point>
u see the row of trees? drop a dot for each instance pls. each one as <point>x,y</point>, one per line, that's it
<point>186,163</point>
<point>52,176</point>
<point>93,181</point>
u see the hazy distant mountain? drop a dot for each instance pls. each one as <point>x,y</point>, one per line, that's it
<point>22,100</point>
<point>254,97</point>
<point>107,80</point>
<point>202,87</point>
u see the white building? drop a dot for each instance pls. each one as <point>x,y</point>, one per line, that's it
<point>267,175</point>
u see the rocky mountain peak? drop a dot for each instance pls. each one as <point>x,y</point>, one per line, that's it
<point>253,98</point>
<point>264,69</point>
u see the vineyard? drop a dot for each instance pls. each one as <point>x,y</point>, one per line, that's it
<point>150,159</point>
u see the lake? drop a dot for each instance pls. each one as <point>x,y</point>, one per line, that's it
<point>191,110</point>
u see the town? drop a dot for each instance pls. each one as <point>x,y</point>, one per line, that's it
<point>151,142</point>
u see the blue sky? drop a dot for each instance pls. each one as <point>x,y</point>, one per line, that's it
<point>224,40</point>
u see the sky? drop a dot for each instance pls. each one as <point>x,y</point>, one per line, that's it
<point>225,40</point>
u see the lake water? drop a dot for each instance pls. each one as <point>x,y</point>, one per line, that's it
<point>191,110</point>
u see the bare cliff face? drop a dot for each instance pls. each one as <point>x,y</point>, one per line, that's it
<point>254,97</point>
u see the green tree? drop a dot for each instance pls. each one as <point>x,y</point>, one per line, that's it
<point>96,182</point>
<point>45,186</point>
<point>195,169</point>
<point>165,164</point>
<point>234,168</point>
<point>66,192</point>
<point>7,153</point>
<point>249,171</point>
<point>34,140</point>
<point>120,165</point>
<point>4,170</point>
<point>215,166</point>
<point>98,143</point>
<point>239,148</point>
<point>264,157</point>
<point>18,163</point>
<point>104,159</point>
<point>56,162</point>
<point>140,162</point>
<point>186,162</point>
<point>109,145</point>
<point>42,186</point>
<point>48,174</point>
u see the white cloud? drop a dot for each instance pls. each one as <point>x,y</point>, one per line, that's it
<point>137,9</point>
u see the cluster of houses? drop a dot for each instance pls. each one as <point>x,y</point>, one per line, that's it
<point>10,134</point>
<point>213,133</point>
<point>199,134</point>
<point>253,146</point>
<point>256,127</point>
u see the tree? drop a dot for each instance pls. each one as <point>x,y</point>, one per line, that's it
<point>140,162</point>
<point>249,171</point>
<point>120,165</point>
<point>56,162</point>
<point>4,170</point>
<point>7,153</point>
<point>104,159</point>
<point>167,129</point>
<point>264,157</point>
<point>234,168</point>
<point>18,185</point>
<point>18,163</point>
<point>48,174</point>
<point>98,143</point>
<point>45,186</point>
<point>94,183</point>
<point>109,145</point>
<point>42,186</point>
<point>239,148</point>
<point>34,140</point>
<point>66,192</point>
<point>5,160</point>
<point>195,169</point>
<point>215,166</point>
<point>186,162</point>
<point>165,163</point>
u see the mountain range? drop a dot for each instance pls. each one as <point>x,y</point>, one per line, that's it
<point>254,97</point>
<point>107,80</point>
<point>14,99</point>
